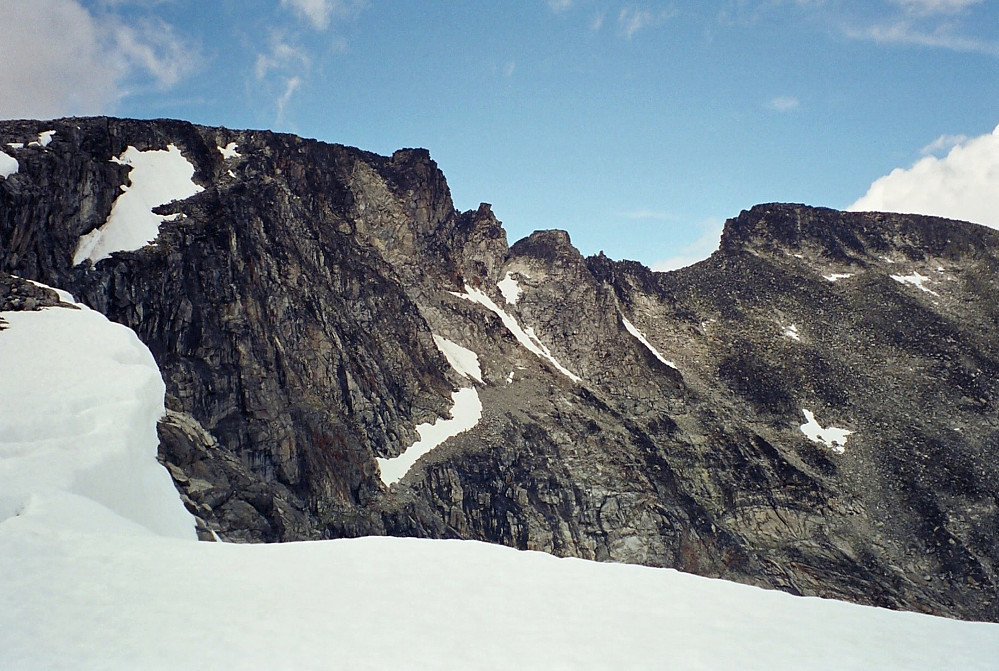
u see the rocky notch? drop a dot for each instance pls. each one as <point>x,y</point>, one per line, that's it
<point>811,409</point>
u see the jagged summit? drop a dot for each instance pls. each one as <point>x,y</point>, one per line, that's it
<point>810,409</point>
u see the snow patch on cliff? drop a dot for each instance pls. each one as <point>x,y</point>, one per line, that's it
<point>462,359</point>
<point>830,436</point>
<point>157,177</point>
<point>229,151</point>
<point>44,139</point>
<point>8,165</point>
<point>465,414</point>
<point>633,330</point>
<point>510,289</point>
<point>916,280</point>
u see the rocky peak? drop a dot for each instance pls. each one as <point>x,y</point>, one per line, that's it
<point>316,307</point>
<point>851,237</point>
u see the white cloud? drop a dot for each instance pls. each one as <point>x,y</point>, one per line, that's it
<point>962,185</point>
<point>698,250</point>
<point>320,13</point>
<point>783,103</point>
<point>632,19</point>
<point>598,21</point>
<point>559,5</point>
<point>508,69</point>
<point>58,59</point>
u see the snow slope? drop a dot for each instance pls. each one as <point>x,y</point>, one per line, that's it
<point>98,569</point>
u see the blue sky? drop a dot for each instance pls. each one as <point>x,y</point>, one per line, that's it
<point>636,126</point>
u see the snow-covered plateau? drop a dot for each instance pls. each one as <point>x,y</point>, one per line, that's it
<point>99,568</point>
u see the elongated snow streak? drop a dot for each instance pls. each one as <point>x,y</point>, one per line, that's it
<point>465,414</point>
<point>462,359</point>
<point>792,332</point>
<point>633,330</point>
<point>916,280</point>
<point>525,337</point>
<point>510,289</point>
<point>832,277</point>
<point>158,177</point>
<point>830,436</point>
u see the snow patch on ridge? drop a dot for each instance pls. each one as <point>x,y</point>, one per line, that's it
<point>832,277</point>
<point>525,337</point>
<point>157,177</point>
<point>462,359</point>
<point>229,151</point>
<point>44,139</point>
<point>633,330</point>
<point>830,436</point>
<point>792,333</point>
<point>465,414</point>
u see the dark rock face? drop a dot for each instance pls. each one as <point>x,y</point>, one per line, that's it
<point>626,415</point>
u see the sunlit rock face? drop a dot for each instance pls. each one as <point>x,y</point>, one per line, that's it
<point>811,409</point>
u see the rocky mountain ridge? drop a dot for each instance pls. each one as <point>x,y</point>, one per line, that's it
<point>810,409</point>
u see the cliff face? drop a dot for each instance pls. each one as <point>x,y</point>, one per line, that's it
<point>812,408</point>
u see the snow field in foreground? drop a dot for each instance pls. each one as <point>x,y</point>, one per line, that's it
<point>79,401</point>
<point>97,570</point>
<point>132,602</point>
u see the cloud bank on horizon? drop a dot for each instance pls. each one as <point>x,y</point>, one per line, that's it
<point>964,184</point>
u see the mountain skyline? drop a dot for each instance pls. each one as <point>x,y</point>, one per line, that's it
<point>636,126</point>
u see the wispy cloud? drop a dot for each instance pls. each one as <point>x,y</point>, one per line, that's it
<point>907,32</point>
<point>935,24</point>
<point>709,237</point>
<point>154,47</point>
<point>280,56</point>
<point>928,7</point>
<point>321,13</point>
<point>783,103</point>
<point>961,185</point>
<point>943,144</point>
<point>597,22</point>
<point>632,19</point>
<point>291,85</point>
<point>559,5</point>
